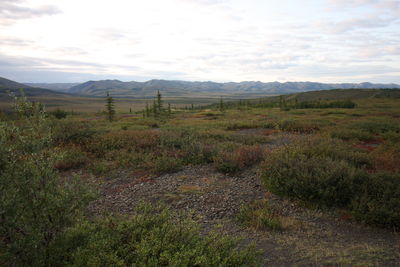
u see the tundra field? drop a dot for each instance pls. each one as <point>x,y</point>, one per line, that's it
<point>301,180</point>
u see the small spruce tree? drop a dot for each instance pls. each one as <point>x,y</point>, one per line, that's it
<point>155,110</point>
<point>221,104</point>
<point>159,101</point>
<point>110,107</point>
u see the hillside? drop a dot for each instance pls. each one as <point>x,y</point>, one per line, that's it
<point>7,86</point>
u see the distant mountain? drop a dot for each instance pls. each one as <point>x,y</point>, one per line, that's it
<point>62,87</point>
<point>7,86</point>
<point>184,88</point>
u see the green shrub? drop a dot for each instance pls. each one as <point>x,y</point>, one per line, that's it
<point>377,126</point>
<point>100,167</point>
<point>320,146</point>
<point>391,136</point>
<point>71,157</point>
<point>324,175</point>
<point>298,126</point>
<point>59,113</point>
<point>131,140</point>
<point>352,134</point>
<point>378,202</point>
<point>66,132</point>
<point>260,216</point>
<point>198,153</point>
<point>320,180</point>
<point>232,161</point>
<point>149,238</point>
<point>167,163</point>
<point>35,205</point>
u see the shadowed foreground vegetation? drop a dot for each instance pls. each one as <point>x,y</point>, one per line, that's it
<point>329,157</point>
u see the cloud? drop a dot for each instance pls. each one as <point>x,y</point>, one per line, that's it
<point>15,42</point>
<point>353,24</point>
<point>205,2</point>
<point>13,10</point>
<point>351,3</point>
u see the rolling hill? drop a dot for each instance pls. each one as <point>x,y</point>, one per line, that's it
<point>9,86</point>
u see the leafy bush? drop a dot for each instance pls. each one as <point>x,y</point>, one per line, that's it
<point>378,202</point>
<point>298,126</point>
<point>321,180</point>
<point>231,161</point>
<point>59,113</point>
<point>149,238</point>
<point>70,157</point>
<point>347,103</point>
<point>352,134</point>
<point>167,163</point>
<point>386,157</point>
<point>327,177</point>
<point>35,205</point>
<point>260,216</point>
<point>377,126</point>
<point>321,146</point>
<point>131,140</point>
<point>66,132</point>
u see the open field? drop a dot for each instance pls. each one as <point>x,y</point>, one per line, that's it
<point>310,186</point>
<point>96,104</point>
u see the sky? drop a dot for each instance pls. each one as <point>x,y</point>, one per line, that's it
<point>200,40</point>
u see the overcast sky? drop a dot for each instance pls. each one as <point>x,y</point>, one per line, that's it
<point>218,40</point>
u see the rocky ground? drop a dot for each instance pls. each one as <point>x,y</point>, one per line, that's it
<point>310,237</point>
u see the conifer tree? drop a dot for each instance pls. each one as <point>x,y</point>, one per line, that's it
<point>155,110</point>
<point>221,104</point>
<point>159,101</point>
<point>147,110</point>
<point>110,107</point>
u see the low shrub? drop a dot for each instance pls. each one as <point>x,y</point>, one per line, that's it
<point>149,238</point>
<point>66,132</point>
<point>36,206</point>
<point>378,203</point>
<point>59,113</point>
<point>100,167</point>
<point>131,140</point>
<point>377,126</point>
<point>320,180</point>
<point>260,216</point>
<point>70,157</point>
<point>242,125</point>
<point>328,178</point>
<point>391,136</point>
<point>322,146</point>
<point>231,161</point>
<point>352,134</point>
<point>166,163</point>
<point>386,157</point>
<point>298,126</point>
<point>198,153</point>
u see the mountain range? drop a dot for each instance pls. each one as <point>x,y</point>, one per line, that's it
<point>184,88</point>
<point>172,88</point>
